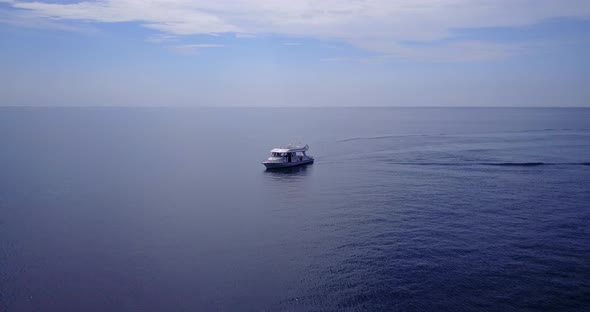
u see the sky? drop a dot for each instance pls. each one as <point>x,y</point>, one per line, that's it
<point>295,53</point>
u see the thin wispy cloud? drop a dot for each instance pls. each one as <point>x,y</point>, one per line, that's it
<point>348,59</point>
<point>462,51</point>
<point>194,48</point>
<point>160,38</point>
<point>374,25</point>
<point>28,20</point>
<point>245,36</point>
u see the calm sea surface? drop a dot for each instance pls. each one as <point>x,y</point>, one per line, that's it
<point>170,209</point>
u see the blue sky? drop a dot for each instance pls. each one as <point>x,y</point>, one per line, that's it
<point>295,53</point>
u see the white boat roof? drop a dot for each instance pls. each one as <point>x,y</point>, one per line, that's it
<point>290,149</point>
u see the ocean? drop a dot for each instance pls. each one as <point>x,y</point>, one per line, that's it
<point>404,209</point>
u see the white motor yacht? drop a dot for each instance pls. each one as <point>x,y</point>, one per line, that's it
<point>288,156</point>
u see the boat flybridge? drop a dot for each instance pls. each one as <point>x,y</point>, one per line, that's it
<point>288,156</point>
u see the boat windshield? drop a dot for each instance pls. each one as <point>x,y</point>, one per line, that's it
<point>279,154</point>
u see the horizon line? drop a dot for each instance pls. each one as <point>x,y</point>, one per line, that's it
<point>286,107</point>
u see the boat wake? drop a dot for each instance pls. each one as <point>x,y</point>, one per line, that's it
<point>518,164</point>
<point>382,137</point>
<point>497,164</point>
<point>539,131</point>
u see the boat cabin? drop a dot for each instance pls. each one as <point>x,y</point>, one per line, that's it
<point>289,156</point>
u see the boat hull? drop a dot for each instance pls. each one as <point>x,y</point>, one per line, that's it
<point>279,165</point>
